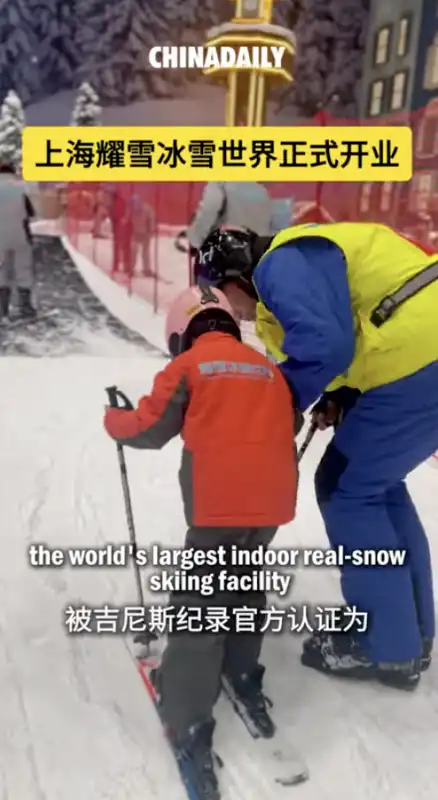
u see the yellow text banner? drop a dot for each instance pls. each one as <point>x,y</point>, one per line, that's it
<point>299,154</point>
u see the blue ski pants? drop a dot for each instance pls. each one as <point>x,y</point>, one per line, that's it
<point>365,504</point>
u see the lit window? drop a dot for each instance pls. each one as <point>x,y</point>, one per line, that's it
<point>365,197</point>
<point>427,132</point>
<point>403,36</point>
<point>376,99</point>
<point>382,46</point>
<point>249,9</point>
<point>386,196</point>
<point>427,138</point>
<point>398,91</point>
<point>434,71</point>
<point>431,76</point>
<point>424,184</point>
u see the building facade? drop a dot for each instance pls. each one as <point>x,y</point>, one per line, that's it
<point>390,60</point>
<point>400,84</point>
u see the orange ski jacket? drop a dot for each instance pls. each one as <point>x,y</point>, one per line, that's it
<point>234,412</point>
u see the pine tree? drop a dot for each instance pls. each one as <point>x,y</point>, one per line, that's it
<point>19,49</point>
<point>330,45</point>
<point>187,26</point>
<point>58,58</point>
<point>37,52</point>
<point>12,122</point>
<point>87,109</point>
<point>350,18</point>
<point>287,12</point>
<point>114,41</point>
<point>50,45</point>
<point>214,12</point>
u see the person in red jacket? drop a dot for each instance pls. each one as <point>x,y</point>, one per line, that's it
<point>238,477</point>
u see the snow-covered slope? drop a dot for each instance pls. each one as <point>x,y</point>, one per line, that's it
<point>76,721</point>
<point>71,319</point>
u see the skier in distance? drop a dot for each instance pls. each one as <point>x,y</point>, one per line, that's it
<point>245,204</point>
<point>16,254</point>
<point>238,479</point>
<point>234,202</point>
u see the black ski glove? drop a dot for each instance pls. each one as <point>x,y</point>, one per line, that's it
<point>332,407</point>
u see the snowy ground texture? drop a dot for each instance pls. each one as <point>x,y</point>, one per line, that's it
<point>76,721</point>
<point>81,325</point>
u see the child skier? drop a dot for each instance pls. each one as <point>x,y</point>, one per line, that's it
<point>238,479</point>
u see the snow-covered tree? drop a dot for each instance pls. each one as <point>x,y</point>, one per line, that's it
<point>350,18</point>
<point>327,66</point>
<point>114,40</point>
<point>58,58</point>
<point>186,25</point>
<point>87,109</point>
<point>19,68</point>
<point>197,17</point>
<point>287,12</point>
<point>103,38</point>
<point>50,45</point>
<point>12,122</point>
<point>37,52</point>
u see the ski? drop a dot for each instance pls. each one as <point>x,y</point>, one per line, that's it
<point>283,764</point>
<point>286,765</point>
<point>145,665</point>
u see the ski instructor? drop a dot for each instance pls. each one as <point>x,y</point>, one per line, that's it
<point>350,311</point>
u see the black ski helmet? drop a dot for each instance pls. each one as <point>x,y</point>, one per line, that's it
<point>230,254</point>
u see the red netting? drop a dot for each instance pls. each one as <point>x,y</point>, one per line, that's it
<point>129,230</point>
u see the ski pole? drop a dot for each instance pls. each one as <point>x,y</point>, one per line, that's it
<point>310,434</point>
<point>114,394</point>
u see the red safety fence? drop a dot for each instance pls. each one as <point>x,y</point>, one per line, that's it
<point>130,230</point>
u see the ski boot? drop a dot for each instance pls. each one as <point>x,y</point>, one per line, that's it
<point>26,309</point>
<point>314,642</point>
<point>426,657</point>
<point>340,655</point>
<point>249,692</point>
<point>194,751</point>
<point>197,760</point>
<point>5,301</point>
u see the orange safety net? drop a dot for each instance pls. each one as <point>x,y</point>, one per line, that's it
<point>130,230</point>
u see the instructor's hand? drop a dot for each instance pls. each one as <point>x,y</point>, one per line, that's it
<point>326,413</point>
<point>331,409</point>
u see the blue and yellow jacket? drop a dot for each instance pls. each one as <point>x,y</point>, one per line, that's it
<point>319,284</point>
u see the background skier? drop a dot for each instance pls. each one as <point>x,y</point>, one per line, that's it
<point>16,254</point>
<point>349,309</point>
<point>243,204</point>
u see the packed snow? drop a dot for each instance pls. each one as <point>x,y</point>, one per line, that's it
<point>76,720</point>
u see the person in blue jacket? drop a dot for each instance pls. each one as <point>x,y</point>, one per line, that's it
<point>349,310</point>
